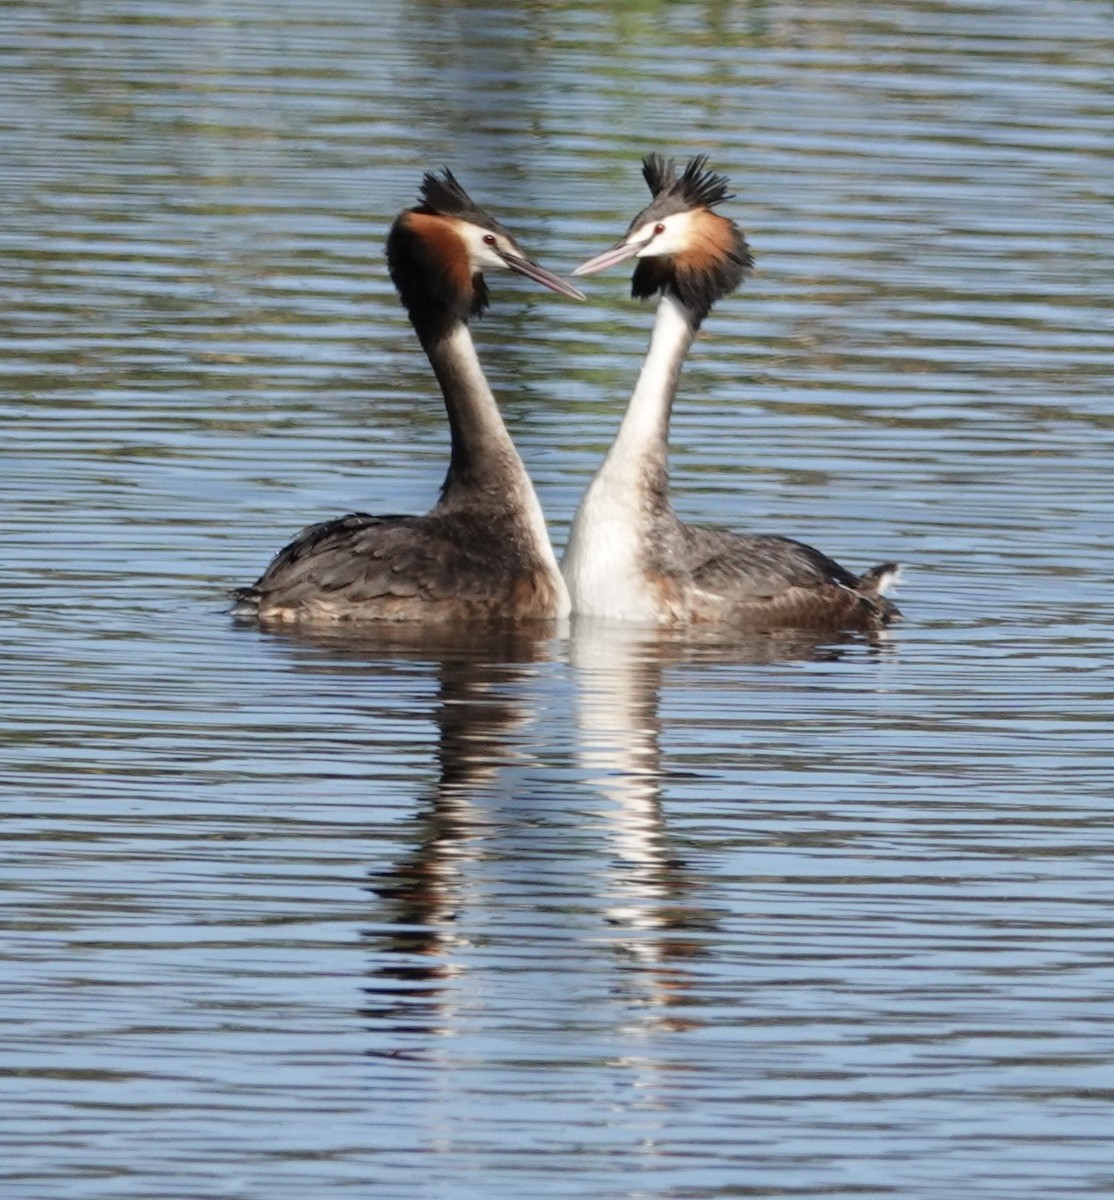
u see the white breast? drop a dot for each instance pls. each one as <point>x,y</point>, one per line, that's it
<point>612,536</point>
<point>602,564</point>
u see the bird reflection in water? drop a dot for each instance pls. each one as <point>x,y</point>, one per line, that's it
<point>487,680</point>
<point>484,709</point>
<point>652,894</point>
<point>519,852</point>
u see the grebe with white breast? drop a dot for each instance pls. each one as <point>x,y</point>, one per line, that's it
<point>629,557</point>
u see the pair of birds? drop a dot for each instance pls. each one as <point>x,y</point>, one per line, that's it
<point>483,552</point>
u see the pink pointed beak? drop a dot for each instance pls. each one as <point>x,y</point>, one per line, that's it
<point>618,253</point>
<point>532,270</point>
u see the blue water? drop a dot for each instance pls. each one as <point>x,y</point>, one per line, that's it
<point>596,914</point>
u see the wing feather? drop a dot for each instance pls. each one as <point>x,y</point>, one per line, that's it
<point>389,568</point>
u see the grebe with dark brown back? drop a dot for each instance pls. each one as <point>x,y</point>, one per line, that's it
<point>483,551</point>
<point>629,557</point>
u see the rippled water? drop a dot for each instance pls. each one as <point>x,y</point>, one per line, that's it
<point>601,915</point>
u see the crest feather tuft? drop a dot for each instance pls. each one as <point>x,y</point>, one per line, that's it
<point>442,195</point>
<point>697,187</point>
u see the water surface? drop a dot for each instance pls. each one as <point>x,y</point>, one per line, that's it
<point>589,913</point>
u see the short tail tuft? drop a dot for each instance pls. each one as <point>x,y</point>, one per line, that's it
<point>880,579</point>
<point>245,602</point>
<point>873,586</point>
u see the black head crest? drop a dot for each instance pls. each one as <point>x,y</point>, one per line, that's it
<point>696,187</point>
<point>442,195</point>
<point>702,187</point>
<point>659,172</point>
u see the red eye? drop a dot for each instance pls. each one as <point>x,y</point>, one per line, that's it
<point>489,239</point>
<point>659,228</point>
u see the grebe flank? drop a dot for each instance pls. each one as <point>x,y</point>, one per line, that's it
<point>483,551</point>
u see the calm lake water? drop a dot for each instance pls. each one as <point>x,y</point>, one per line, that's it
<point>599,915</point>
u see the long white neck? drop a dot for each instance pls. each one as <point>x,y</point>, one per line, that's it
<point>643,437</point>
<point>604,562</point>
<point>484,466</point>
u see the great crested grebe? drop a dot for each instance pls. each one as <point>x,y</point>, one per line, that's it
<point>629,557</point>
<point>482,552</point>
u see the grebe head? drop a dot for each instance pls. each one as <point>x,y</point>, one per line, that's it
<point>684,247</point>
<point>438,251</point>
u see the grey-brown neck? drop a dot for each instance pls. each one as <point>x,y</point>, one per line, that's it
<point>486,475</point>
<point>484,466</point>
